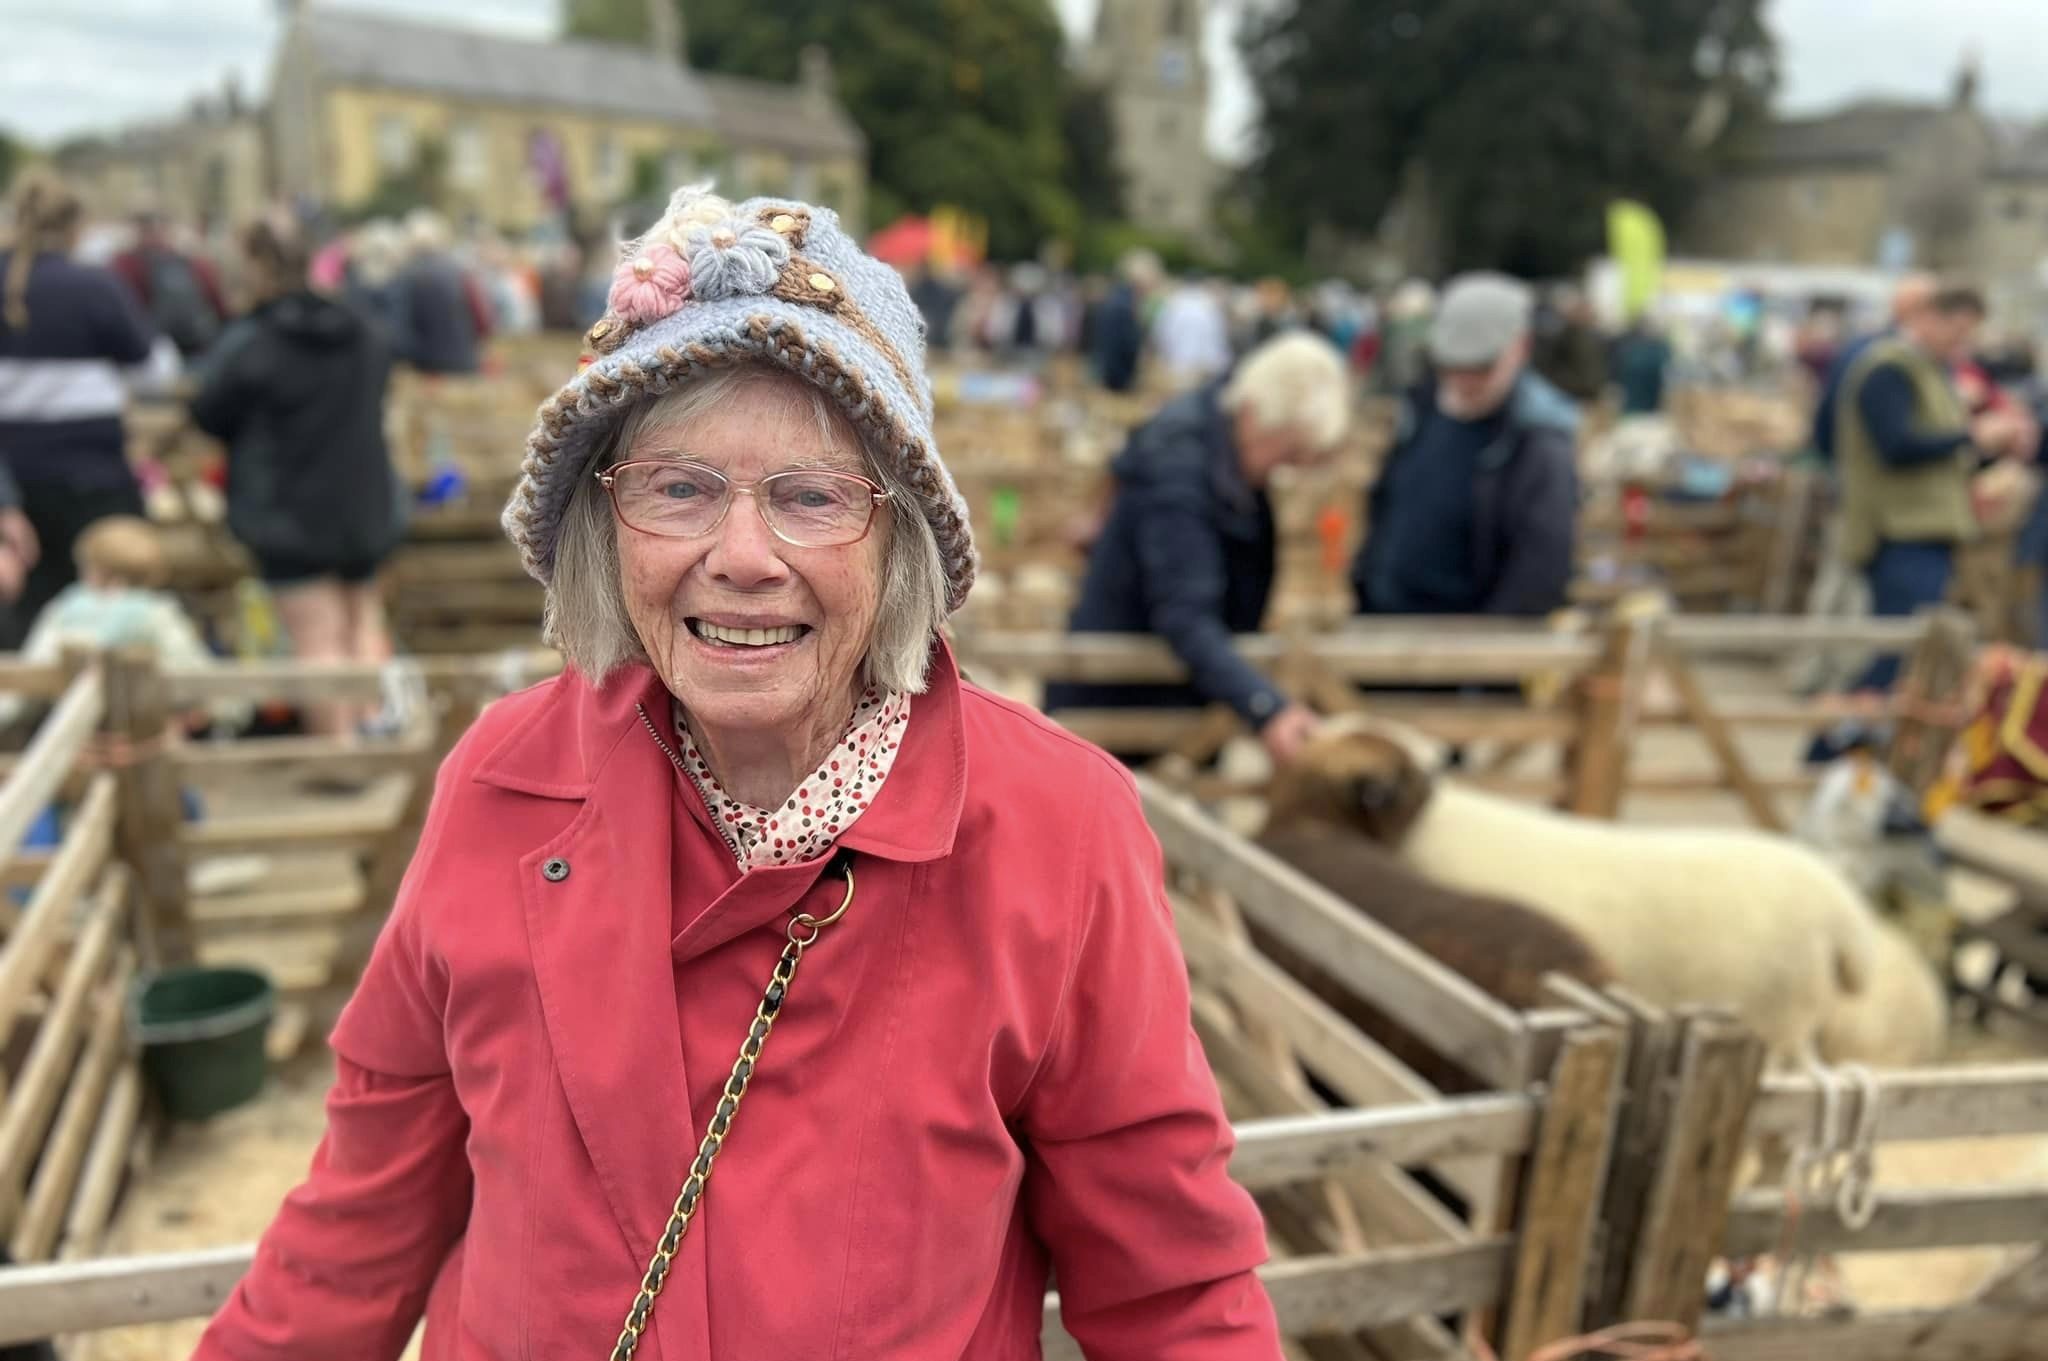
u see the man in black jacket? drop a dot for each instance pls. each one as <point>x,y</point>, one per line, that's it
<point>1475,507</point>
<point>1188,549</point>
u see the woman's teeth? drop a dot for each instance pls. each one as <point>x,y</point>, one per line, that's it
<point>715,633</point>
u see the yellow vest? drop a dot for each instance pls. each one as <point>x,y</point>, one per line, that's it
<point>1926,503</point>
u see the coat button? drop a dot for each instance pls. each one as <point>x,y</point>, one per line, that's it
<point>555,871</point>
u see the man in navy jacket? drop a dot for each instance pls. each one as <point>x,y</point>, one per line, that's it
<point>1187,551</point>
<point>1475,508</point>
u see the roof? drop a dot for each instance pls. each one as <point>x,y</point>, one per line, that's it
<point>1866,132</point>
<point>763,113</point>
<point>372,49</point>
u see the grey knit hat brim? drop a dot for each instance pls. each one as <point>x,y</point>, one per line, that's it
<point>864,349</point>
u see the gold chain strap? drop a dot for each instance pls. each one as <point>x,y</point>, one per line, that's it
<point>804,930</point>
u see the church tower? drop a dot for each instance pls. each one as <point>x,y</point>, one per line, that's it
<point>1147,55</point>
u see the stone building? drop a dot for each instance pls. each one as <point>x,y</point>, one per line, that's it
<point>511,127</point>
<point>1147,56</point>
<point>206,168</point>
<point>1886,183</point>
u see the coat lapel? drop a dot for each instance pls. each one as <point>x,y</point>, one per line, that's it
<point>597,906</point>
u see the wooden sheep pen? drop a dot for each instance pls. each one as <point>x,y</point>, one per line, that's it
<point>1665,1133</point>
<point>1596,1163</point>
<point>334,859</point>
<point>1587,690</point>
<point>70,1090</point>
<point>1368,1257</point>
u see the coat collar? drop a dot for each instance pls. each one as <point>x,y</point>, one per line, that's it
<point>559,750</point>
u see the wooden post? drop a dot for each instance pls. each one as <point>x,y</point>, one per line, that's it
<point>1937,672</point>
<point>1560,1200</point>
<point>1719,738</point>
<point>1686,1216</point>
<point>1645,1111</point>
<point>1789,532</point>
<point>1607,699</point>
<point>151,812</point>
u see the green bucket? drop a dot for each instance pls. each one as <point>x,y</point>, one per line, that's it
<point>202,1032</point>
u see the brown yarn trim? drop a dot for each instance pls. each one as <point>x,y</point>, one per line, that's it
<point>794,285</point>
<point>608,333</point>
<point>785,344</point>
<point>797,213</point>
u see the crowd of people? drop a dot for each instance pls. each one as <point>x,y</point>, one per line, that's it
<point>289,377</point>
<point>1192,327</point>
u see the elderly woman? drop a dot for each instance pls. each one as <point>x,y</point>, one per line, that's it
<point>761,989</point>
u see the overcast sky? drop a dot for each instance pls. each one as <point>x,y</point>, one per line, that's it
<point>69,66</point>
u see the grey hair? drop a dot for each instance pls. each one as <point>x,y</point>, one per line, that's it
<point>587,618</point>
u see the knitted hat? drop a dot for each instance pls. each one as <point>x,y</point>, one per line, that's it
<point>768,282</point>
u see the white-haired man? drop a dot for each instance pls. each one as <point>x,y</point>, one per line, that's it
<point>1187,551</point>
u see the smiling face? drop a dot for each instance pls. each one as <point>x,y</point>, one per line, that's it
<point>754,635</point>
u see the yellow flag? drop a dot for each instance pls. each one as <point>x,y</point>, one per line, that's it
<point>1635,239</point>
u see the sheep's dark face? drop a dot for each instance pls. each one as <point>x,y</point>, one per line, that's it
<point>1364,782</point>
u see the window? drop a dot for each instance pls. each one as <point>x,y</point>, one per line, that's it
<point>1813,198</point>
<point>1176,69</point>
<point>394,143</point>
<point>1179,22</point>
<point>611,164</point>
<point>832,193</point>
<point>1169,125</point>
<point>803,180</point>
<point>469,162</point>
<point>2016,207</point>
<point>680,167</point>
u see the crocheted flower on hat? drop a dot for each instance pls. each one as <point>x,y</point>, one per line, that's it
<point>649,284</point>
<point>731,259</point>
<point>692,207</point>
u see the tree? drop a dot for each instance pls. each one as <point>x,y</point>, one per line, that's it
<point>961,100</point>
<point>1507,127</point>
<point>1089,132</point>
<point>13,155</point>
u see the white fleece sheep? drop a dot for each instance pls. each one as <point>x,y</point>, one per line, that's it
<point>1900,1020</point>
<point>1753,923</point>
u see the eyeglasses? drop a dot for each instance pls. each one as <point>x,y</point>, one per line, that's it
<point>678,499</point>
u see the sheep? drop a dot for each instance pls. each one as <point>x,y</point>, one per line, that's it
<point>1503,948</point>
<point>1899,1021</point>
<point>1754,923</point>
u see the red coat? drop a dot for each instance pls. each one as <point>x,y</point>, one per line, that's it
<point>986,1067</point>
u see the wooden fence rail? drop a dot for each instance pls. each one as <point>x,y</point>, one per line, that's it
<point>1594,1167</point>
<point>1587,687</point>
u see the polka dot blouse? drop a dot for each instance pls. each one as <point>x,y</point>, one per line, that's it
<point>839,791</point>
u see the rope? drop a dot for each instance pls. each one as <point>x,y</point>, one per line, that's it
<point>1649,1340</point>
<point>1856,1192</point>
<point>1837,1166</point>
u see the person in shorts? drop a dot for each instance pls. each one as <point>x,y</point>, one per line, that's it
<point>296,391</point>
